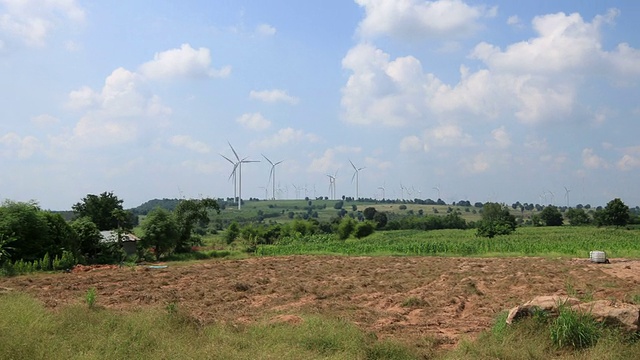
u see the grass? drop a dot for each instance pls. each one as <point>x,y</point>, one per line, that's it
<point>28,331</point>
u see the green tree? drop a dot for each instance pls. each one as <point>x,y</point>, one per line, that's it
<point>24,225</point>
<point>346,227</point>
<point>88,236</point>
<point>369,213</point>
<point>233,231</point>
<point>381,219</point>
<point>363,229</point>
<point>577,217</point>
<point>616,213</point>
<point>61,235</point>
<point>496,220</point>
<point>190,213</point>
<point>161,232</point>
<point>551,216</point>
<point>105,210</point>
<point>338,205</point>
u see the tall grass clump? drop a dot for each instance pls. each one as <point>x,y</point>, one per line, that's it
<point>573,329</point>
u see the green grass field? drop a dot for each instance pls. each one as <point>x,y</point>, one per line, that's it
<point>525,241</point>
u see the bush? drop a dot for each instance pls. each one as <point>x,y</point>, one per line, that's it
<point>575,330</point>
<point>363,229</point>
<point>346,228</point>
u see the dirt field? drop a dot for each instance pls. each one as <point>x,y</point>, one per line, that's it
<point>413,299</point>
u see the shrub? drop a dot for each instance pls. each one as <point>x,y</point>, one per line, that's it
<point>363,229</point>
<point>575,329</point>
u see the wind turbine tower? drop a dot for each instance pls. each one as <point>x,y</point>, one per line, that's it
<point>239,166</point>
<point>356,176</point>
<point>566,194</point>
<point>272,175</point>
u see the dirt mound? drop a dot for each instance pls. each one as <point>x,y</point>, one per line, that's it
<point>408,298</point>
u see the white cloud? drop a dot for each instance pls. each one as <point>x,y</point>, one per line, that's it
<point>288,136</point>
<point>501,138</point>
<point>416,19</point>
<point>328,162</point>
<point>272,96</point>
<point>592,161</point>
<point>628,162</point>
<point>183,62</point>
<point>32,20</point>
<point>253,121</point>
<point>448,135</point>
<point>411,143</point>
<point>514,20</point>
<point>381,91</point>
<point>534,81</point>
<point>12,146</point>
<point>265,30</point>
<point>188,142</point>
<point>478,164</point>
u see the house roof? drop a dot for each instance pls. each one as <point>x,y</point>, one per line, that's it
<point>109,236</point>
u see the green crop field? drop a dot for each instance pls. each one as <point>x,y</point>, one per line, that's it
<point>526,241</point>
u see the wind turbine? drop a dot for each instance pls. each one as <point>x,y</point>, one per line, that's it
<point>272,174</point>
<point>402,188</point>
<point>566,194</point>
<point>552,196</point>
<point>382,188</point>
<point>233,175</point>
<point>238,165</point>
<point>356,175</point>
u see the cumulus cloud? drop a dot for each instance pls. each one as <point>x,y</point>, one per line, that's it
<point>417,19</point>
<point>384,91</point>
<point>272,96</point>
<point>478,164</point>
<point>501,138</point>
<point>14,146</point>
<point>411,144</point>
<point>183,62</point>
<point>628,162</point>
<point>31,21</point>
<point>287,136</point>
<point>533,81</point>
<point>592,161</point>
<point>253,121</point>
<point>327,163</point>
<point>188,142</point>
<point>514,20</point>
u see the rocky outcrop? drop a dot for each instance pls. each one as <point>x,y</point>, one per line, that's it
<point>549,304</point>
<point>622,315</point>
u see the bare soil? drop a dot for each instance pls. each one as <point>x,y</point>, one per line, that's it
<point>411,299</point>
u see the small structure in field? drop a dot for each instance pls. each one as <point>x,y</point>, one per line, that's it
<point>128,240</point>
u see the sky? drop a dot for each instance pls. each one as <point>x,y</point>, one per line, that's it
<point>504,101</point>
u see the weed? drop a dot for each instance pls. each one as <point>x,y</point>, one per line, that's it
<point>635,298</point>
<point>574,329</point>
<point>413,301</point>
<point>172,308</point>
<point>90,298</point>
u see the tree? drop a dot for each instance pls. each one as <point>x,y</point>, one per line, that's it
<point>496,220</point>
<point>160,232</point>
<point>25,227</point>
<point>233,231</point>
<point>381,219</point>
<point>338,205</point>
<point>551,216</point>
<point>616,213</point>
<point>363,229</point>
<point>577,217</point>
<point>88,236</point>
<point>188,213</point>
<point>61,235</point>
<point>346,227</point>
<point>369,213</point>
<point>105,210</point>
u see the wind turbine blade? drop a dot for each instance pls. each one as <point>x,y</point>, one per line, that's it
<point>354,167</point>
<point>229,160</point>
<point>270,162</point>
<point>234,151</point>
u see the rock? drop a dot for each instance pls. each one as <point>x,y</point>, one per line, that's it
<point>548,304</point>
<point>624,316</point>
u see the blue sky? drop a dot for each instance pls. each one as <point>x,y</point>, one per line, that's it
<point>467,100</point>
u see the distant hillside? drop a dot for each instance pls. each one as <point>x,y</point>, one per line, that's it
<point>167,204</point>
